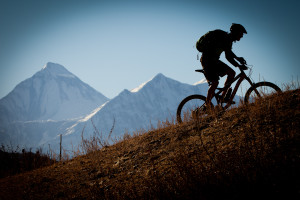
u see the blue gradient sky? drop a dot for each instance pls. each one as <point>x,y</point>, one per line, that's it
<point>114,45</point>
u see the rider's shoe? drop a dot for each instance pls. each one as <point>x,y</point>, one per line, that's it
<point>227,97</point>
<point>226,100</point>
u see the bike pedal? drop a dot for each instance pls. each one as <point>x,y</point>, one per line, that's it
<point>232,102</point>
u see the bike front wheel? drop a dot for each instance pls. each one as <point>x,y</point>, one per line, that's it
<point>259,90</point>
<point>189,106</point>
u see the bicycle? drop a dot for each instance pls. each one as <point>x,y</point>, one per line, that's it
<point>196,102</point>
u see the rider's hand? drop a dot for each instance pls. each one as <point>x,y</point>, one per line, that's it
<point>241,60</point>
<point>243,67</point>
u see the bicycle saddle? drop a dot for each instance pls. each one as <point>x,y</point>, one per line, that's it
<point>199,70</point>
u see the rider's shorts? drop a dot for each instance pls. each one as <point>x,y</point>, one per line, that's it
<point>213,68</point>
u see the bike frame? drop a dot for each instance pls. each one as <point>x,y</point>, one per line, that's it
<point>239,78</point>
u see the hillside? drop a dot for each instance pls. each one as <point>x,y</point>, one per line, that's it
<point>250,152</point>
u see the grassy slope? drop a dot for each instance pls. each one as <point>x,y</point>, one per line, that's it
<point>248,152</point>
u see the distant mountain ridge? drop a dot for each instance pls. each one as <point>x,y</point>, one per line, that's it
<point>43,107</point>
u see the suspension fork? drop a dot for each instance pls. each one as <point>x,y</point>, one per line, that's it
<point>252,84</point>
<point>249,80</point>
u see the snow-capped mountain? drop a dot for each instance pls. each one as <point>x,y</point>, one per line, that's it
<point>53,93</point>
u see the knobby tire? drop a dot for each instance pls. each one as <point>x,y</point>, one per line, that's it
<point>255,89</point>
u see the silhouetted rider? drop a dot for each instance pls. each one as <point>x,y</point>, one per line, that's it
<point>213,44</point>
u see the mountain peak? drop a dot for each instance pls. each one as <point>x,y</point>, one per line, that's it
<point>51,66</point>
<point>160,75</point>
<point>56,70</point>
<point>157,77</point>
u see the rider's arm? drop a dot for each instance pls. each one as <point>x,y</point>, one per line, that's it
<point>230,56</point>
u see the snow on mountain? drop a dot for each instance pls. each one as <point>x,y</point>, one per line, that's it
<point>52,93</point>
<point>200,82</point>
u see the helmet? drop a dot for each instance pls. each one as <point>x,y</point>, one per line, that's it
<point>236,28</point>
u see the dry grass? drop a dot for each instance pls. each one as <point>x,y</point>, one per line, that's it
<point>245,153</point>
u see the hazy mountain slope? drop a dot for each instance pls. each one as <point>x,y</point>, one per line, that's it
<point>34,134</point>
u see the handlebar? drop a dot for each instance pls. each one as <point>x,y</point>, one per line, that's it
<point>245,67</point>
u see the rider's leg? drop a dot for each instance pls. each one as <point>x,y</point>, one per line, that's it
<point>210,66</point>
<point>211,91</point>
<point>230,76</point>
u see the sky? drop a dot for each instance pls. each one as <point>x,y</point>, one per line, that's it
<point>114,45</point>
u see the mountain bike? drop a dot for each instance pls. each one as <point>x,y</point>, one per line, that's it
<point>195,104</point>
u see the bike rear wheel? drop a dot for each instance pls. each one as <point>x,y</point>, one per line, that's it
<point>188,106</point>
<point>259,90</point>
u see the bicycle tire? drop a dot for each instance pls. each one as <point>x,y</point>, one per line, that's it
<point>259,90</point>
<point>184,102</point>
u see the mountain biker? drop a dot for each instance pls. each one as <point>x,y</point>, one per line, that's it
<point>221,41</point>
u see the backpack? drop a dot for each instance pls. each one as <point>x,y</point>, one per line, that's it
<point>210,40</point>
